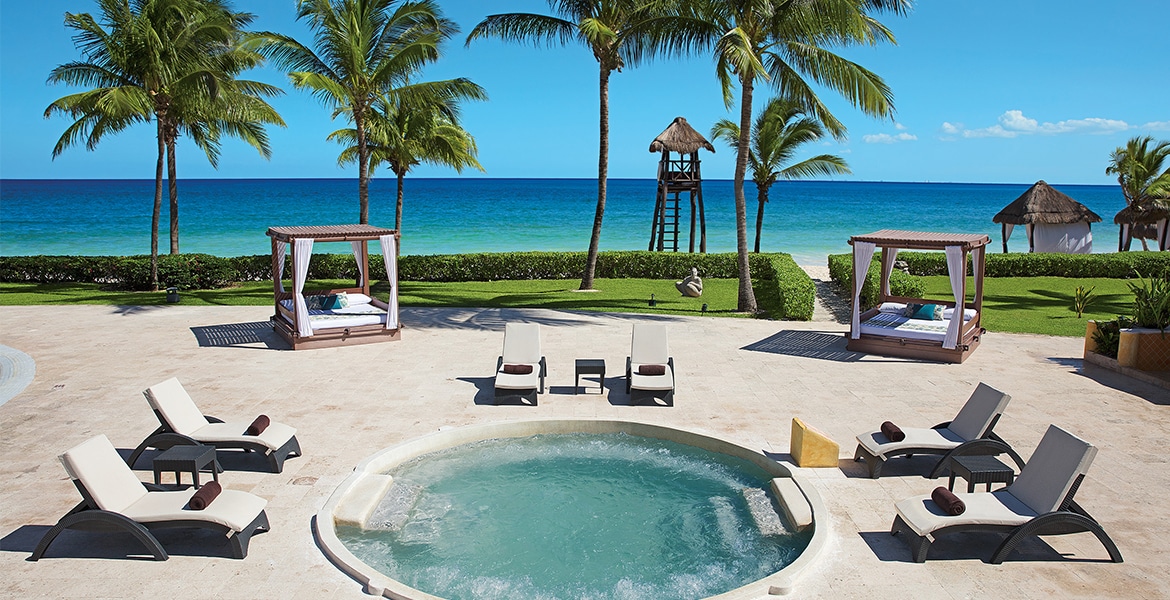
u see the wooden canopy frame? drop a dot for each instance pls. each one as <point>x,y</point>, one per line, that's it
<point>973,246</point>
<point>285,322</point>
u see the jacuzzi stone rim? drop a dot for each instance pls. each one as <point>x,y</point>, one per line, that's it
<point>379,584</point>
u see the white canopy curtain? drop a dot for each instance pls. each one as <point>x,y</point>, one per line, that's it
<point>390,259</point>
<point>281,255</point>
<point>957,268</point>
<point>889,257</point>
<point>357,257</point>
<point>302,252</point>
<point>862,255</point>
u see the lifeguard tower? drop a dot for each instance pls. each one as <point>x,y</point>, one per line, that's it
<point>675,178</point>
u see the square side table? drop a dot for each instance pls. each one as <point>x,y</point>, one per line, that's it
<point>980,469</point>
<point>588,366</point>
<point>186,459</point>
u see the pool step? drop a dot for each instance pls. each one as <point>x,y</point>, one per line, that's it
<point>365,495</point>
<point>796,507</point>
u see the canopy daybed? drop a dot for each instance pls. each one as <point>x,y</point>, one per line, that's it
<point>885,329</point>
<point>364,320</point>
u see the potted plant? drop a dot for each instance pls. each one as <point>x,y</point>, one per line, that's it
<point>1145,345</point>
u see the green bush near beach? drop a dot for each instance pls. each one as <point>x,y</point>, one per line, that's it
<point>787,291</point>
<point>1116,265</point>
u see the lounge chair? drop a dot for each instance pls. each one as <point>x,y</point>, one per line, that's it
<point>1038,502</point>
<point>114,497</point>
<point>181,422</point>
<point>969,433</point>
<point>521,347</point>
<point>649,346</point>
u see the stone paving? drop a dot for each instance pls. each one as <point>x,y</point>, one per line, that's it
<point>740,379</point>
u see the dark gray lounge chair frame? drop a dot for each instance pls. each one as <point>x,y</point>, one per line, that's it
<point>1068,518</point>
<point>164,437</point>
<point>989,444</point>
<point>86,515</point>
<point>637,396</point>
<point>527,394</point>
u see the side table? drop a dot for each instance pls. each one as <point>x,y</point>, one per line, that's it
<point>186,459</point>
<point>588,366</point>
<point>980,469</point>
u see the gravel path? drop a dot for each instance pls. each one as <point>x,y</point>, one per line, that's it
<point>831,306</point>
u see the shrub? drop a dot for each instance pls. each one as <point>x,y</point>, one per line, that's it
<point>784,289</point>
<point>1117,265</point>
<point>1108,336</point>
<point>901,284</point>
<point>1151,302</point>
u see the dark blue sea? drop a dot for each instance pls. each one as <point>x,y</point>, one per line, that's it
<point>228,217</point>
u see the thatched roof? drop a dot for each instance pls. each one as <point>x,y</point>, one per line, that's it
<point>680,137</point>
<point>1042,204</point>
<point>1144,214</point>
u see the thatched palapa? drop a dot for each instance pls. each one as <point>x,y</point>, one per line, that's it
<point>680,137</point>
<point>1054,222</point>
<point>1145,221</point>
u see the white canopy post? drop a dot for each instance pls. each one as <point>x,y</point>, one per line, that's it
<point>302,252</point>
<point>957,269</point>
<point>390,259</point>
<point>862,255</point>
<point>889,257</point>
<point>357,257</point>
<point>281,255</point>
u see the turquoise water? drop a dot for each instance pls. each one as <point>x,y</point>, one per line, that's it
<point>808,219</point>
<point>576,516</point>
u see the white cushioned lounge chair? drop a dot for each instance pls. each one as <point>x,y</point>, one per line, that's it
<point>113,496</point>
<point>1038,502</point>
<point>521,347</point>
<point>181,422</point>
<point>649,346</point>
<point>969,433</point>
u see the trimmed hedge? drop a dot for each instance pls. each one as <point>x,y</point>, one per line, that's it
<point>1116,265</point>
<point>793,286</point>
<point>901,284</point>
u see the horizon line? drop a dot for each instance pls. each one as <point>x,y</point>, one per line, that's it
<point>473,178</point>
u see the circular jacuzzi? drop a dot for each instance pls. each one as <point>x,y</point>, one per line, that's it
<point>571,508</point>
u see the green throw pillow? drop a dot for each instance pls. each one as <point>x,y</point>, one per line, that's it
<point>925,312</point>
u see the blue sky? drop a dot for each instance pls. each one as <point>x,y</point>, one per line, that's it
<point>995,91</point>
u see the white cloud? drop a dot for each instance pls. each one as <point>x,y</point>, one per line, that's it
<point>899,127</point>
<point>885,138</point>
<point>1014,123</point>
<point>1156,126</point>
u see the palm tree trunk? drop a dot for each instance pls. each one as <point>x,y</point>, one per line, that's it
<point>173,191</point>
<point>398,204</point>
<point>363,167</point>
<point>761,197</point>
<point>154,218</point>
<point>747,295</point>
<point>602,175</point>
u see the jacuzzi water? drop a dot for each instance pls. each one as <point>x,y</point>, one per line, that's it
<point>576,516</point>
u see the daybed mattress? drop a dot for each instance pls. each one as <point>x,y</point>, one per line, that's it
<point>893,324</point>
<point>353,315</point>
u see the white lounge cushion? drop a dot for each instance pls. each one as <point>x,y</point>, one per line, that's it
<point>983,508</point>
<point>916,437</point>
<point>649,344</point>
<point>514,381</point>
<point>96,464</point>
<point>651,382</point>
<point>274,436</point>
<point>179,410</point>
<point>231,508</point>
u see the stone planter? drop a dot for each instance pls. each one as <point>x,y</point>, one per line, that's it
<point>1090,343</point>
<point>1144,349</point>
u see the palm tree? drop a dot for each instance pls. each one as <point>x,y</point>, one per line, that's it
<point>402,137</point>
<point>142,58</point>
<point>779,131</point>
<point>617,32</point>
<point>367,51</point>
<point>786,43</point>
<point>1144,182</point>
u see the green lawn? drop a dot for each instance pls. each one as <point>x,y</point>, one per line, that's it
<point>614,295</point>
<point>1041,304</point>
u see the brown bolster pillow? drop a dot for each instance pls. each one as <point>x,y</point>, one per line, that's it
<point>892,432</point>
<point>517,369</point>
<point>258,426</point>
<point>652,369</point>
<point>948,501</point>
<point>204,496</point>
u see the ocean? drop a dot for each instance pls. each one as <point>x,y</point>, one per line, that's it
<point>228,217</point>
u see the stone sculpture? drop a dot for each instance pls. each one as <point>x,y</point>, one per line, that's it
<point>691,285</point>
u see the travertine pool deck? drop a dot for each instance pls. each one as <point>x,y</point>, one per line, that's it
<point>739,379</point>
